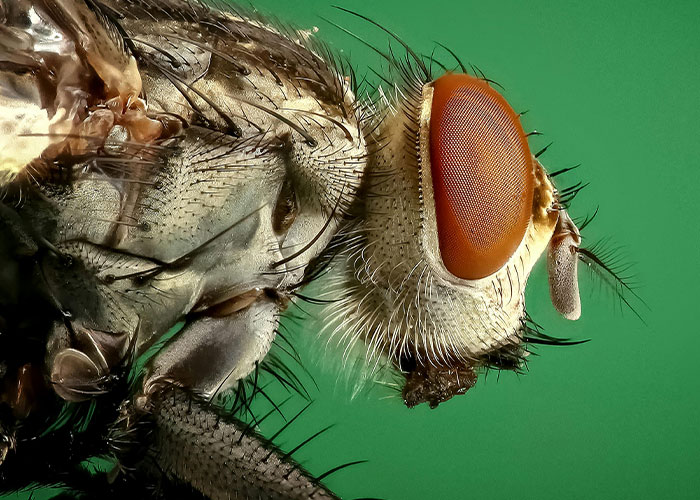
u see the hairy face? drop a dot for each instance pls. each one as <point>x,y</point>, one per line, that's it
<point>457,211</point>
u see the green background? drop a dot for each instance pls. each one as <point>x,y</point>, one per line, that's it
<point>616,86</point>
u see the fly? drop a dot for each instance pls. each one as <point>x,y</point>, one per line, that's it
<point>168,162</point>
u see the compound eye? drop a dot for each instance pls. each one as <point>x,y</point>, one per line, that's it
<point>483,178</point>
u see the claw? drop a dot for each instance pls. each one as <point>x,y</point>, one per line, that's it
<point>74,376</point>
<point>84,369</point>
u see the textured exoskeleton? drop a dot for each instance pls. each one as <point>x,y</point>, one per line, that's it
<point>166,161</point>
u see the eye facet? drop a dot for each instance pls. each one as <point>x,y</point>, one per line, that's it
<point>482,174</point>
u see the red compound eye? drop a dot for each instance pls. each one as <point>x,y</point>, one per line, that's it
<point>482,176</point>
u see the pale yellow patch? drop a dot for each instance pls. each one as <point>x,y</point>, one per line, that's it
<point>24,128</point>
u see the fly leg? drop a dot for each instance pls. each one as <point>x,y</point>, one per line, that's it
<point>190,441</point>
<point>192,444</point>
<point>212,353</point>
